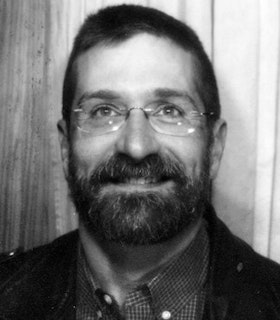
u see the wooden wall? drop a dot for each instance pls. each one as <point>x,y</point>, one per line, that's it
<point>34,46</point>
<point>242,39</point>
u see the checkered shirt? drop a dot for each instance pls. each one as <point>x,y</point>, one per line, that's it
<point>177,292</point>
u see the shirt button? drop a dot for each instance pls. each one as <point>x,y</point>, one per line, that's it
<point>108,299</point>
<point>166,315</point>
<point>99,314</point>
<point>239,267</point>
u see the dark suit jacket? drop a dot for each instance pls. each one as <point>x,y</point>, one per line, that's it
<point>40,284</point>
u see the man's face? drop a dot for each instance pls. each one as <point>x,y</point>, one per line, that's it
<point>136,185</point>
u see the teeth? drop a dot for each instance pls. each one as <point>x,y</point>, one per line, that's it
<point>140,181</point>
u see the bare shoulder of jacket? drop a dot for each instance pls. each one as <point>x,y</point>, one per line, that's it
<point>4,256</point>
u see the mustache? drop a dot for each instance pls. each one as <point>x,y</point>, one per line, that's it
<point>120,167</point>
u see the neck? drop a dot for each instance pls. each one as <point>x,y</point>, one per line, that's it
<point>119,268</point>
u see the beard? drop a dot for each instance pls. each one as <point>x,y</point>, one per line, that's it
<point>138,217</point>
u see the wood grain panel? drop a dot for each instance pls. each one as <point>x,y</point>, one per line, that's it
<point>25,181</point>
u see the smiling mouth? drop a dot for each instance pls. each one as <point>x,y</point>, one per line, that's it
<point>141,181</point>
<point>140,184</point>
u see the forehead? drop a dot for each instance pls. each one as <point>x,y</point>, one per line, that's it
<point>137,67</point>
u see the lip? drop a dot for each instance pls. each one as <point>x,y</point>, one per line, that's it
<point>140,185</point>
<point>141,181</point>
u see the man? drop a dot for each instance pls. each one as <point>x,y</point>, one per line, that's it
<point>141,140</point>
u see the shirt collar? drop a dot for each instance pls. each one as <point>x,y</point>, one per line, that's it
<point>171,289</point>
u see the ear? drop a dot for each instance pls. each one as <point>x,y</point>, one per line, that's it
<point>64,144</point>
<point>219,132</point>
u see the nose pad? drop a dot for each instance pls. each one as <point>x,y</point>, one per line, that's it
<point>137,139</point>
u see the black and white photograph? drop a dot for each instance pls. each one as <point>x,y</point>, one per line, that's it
<point>140,160</point>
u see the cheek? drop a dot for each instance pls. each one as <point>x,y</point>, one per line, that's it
<point>190,151</point>
<point>88,153</point>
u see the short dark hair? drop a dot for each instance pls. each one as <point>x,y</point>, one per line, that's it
<point>115,24</point>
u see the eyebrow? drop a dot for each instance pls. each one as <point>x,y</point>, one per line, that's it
<point>159,93</point>
<point>100,94</point>
<point>171,93</point>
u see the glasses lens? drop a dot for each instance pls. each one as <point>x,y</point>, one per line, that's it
<point>99,119</point>
<point>180,124</point>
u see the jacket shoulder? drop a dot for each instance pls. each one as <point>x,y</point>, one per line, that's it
<point>257,268</point>
<point>40,283</point>
<point>243,284</point>
<point>241,257</point>
<point>17,260</point>
<point>259,265</point>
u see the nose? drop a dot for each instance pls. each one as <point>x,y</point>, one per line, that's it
<point>137,138</point>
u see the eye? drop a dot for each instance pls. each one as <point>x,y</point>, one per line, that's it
<point>169,110</point>
<point>104,110</point>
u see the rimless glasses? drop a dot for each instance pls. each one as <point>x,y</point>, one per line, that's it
<point>164,117</point>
